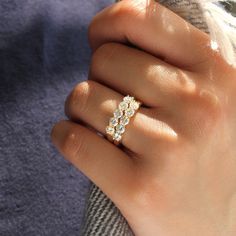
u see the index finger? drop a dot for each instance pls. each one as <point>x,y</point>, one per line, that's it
<point>153,28</point>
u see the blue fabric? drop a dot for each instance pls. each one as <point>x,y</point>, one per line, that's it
<point>43,53</point>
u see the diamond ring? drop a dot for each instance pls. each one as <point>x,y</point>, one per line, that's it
<point>121,118</point>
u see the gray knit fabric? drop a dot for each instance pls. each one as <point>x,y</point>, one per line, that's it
<point>103,218</point>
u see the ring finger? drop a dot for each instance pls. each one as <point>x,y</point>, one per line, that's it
<point>94,104</point>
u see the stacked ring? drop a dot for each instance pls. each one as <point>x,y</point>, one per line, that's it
<point>121,118</point>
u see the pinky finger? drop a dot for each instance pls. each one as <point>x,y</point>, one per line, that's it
<point>102,162</point>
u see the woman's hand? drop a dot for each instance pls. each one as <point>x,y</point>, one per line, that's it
<point>176,174</point>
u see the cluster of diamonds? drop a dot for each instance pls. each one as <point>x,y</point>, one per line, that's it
<point>121,117</point>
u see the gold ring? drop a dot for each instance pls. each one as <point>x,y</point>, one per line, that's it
<point>121,118</point>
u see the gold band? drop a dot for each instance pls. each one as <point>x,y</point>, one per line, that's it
<point>121,118</point>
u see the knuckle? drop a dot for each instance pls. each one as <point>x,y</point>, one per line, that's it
<point>210,103</point>
<point>202,104</point>
<point>73,145</point>
<point>79,97</point>
<point>120,14</point>
<point>68,143</point>
<point>186,84</point>
<point>92,29</point>
<point>101,58</point>
<point>199,96</point>
<point>205,111</point>
<point>129,8</point>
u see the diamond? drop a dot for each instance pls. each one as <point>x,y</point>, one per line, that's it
<point>116,137</point>
<point>123,106</point>
<point>134,105</point>
<point>129,112</point>
<point>110,130</point>
<point>120,129</point>
<point>128,99</point>
<point>113,122</point>
<point>124,120</point>
<point>118,113</point>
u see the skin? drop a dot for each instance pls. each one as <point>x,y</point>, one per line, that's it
<point>176,172</point>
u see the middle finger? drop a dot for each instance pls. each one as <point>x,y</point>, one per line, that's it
<point>131,71</point>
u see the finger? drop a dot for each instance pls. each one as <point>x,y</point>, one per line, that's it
<point>103,163</point>
<point>134,72</point>
<point>94,104</point>
<point>153,28</point>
